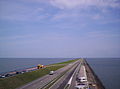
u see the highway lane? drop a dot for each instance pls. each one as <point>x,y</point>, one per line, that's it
<point>73,82</point>
<point>39,83</point>
<point>79,75</point>
<point>61,83</point>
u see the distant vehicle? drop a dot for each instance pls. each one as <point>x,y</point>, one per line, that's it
<point>39,66</point>
<point>2,76</point>
<point>51,73</point>
<point>22,72</point>
<point>18,72</point>
<point>81,86</point>
<point>81,79</point>
<point>94,85</point>
<point>7,75</point>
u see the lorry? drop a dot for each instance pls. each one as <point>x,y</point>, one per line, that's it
<point>39,66</point>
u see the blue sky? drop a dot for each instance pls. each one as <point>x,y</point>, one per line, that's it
<point>59,28</point>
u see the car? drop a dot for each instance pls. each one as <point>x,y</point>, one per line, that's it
<point>7,75</point>
<point>51,73</point>
<point>18,72</point>
<point>2,76</point>
<point>81,87</point>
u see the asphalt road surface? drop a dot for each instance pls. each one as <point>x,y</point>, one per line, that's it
<point>73,82</point>
<point>39,83</point>
<point>64,81</point>
<point>61,83</point>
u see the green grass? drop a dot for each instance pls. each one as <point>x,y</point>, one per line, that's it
<point>21,79</point>
<point>66,62</point>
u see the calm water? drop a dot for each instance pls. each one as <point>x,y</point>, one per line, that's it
<point>11,64</point>
<point>108,70</point>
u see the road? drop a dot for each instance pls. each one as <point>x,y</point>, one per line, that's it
<point>77,74</point>
<point>73,82</point>
<point>68,80</point>
<point>61,83</point>
<point>41,82</point>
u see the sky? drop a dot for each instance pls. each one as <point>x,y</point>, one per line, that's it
<point>59,28</point>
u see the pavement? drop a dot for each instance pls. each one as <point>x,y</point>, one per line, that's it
<point>41,82</point>
<point>68,80</point>
<point>65,78</point>
<point>73,82</point>
<point>61,83</point>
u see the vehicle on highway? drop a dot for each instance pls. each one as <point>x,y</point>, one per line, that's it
<point>39,66</point>
<point>81,79</point>
<point>51,73</point>
<point>2,76</point>
<point>81,86</point>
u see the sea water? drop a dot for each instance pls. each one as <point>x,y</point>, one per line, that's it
<point>11,64</point>
<point>108,71</point>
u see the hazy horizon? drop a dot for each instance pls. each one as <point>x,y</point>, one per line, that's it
<point>59,28</point>
<point>59,57</point>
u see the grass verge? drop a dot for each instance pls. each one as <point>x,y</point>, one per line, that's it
<point>66,62</point>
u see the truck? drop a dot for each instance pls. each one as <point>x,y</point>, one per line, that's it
<point>39,66</point>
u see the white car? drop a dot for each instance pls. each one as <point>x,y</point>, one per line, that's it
<point>51,73</point>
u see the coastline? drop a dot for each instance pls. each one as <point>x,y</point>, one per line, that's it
<point>22,79</point>
<point>92,76</point>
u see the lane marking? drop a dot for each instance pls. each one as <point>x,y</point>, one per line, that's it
<point>69,82</point>
<point>64,75</point>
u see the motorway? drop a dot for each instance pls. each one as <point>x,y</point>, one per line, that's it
<point>40,83</point>
<point>69,80</point>
<point>66,78</point>
<point>76,75</point>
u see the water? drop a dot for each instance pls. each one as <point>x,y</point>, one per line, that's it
<point>11,64</point>
<point>108,70</point>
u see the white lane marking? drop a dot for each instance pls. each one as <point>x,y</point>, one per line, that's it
<point>85,72</point>
<point>69,82</point>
